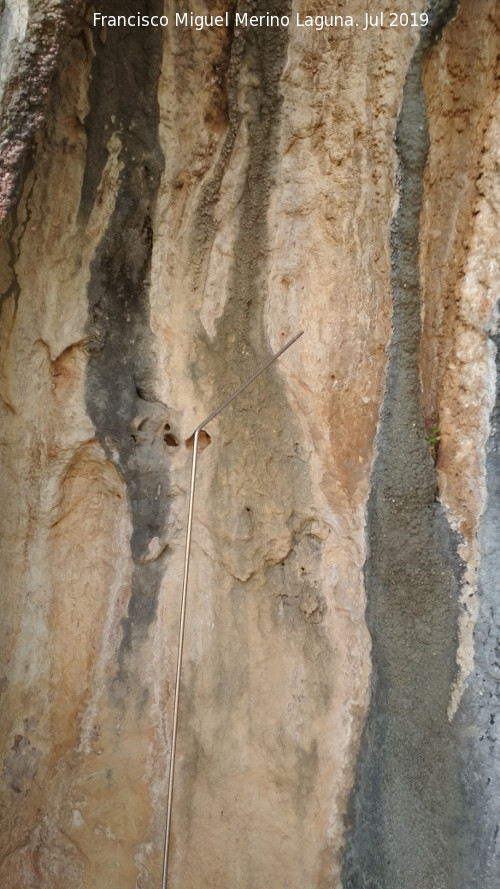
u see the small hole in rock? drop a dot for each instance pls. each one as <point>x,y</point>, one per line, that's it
<point>167,427</point>
<point>170,440</point>
<point>203,441</point>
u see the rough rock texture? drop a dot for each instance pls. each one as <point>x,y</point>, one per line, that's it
<point>176,204</point>
<point>32,35</point>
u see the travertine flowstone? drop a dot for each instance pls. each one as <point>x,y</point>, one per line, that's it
<point>176,204</point>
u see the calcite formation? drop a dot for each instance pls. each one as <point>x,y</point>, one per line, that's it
<point>177,201</point>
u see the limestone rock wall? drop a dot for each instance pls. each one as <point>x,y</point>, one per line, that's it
<point>177,203</point>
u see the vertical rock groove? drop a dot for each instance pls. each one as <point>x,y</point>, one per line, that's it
<point>406,801</point>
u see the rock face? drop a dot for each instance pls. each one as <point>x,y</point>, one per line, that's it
<point>177,202</point>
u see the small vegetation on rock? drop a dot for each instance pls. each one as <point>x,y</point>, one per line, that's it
<point>433,439</point>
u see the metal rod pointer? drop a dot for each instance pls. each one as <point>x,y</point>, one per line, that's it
<point>182,621</point>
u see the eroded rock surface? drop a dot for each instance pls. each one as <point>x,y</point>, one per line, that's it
<point>177,204</point>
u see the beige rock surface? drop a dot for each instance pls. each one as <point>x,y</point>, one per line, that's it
<point>460,266</point>
<point>272,214</point>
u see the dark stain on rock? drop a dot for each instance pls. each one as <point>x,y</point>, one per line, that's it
<point>257,58</point>
<point>21,764</point>
<point>204,225</point>
<point>407,800</point>
<point>129,421</point>
<point>477,718</point>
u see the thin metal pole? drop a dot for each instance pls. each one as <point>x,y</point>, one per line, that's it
<point>182,620</point>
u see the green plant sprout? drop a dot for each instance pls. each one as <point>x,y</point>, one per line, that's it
<point>433,439</point>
